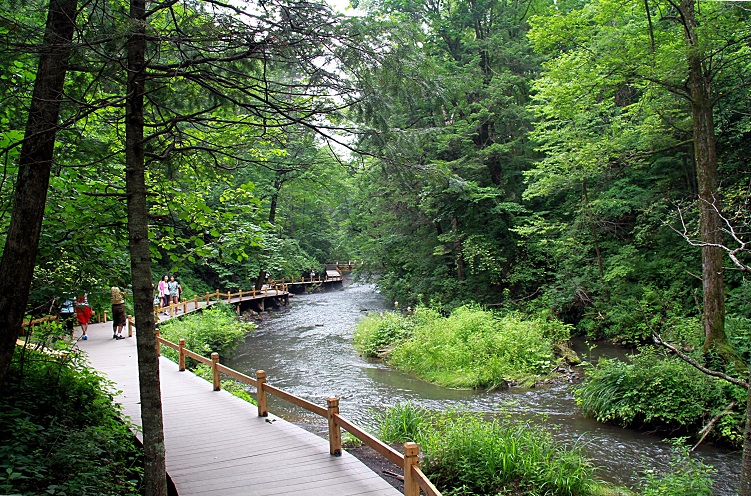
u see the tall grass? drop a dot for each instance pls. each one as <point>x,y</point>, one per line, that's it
<point>467,455</point>
<point>661,392</point>
<point>472,347</point>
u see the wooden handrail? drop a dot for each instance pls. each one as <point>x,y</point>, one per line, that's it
<point>414,479</point>
<point>289,398</point>
<point>382,448</point>
<point>238,376</point>
<point>422,480</point>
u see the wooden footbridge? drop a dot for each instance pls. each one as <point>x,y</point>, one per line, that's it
<point>217,443</point>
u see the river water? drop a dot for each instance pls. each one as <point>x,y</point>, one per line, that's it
<point>306,349</point>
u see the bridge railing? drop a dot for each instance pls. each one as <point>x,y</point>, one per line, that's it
<point>173,308</point>
<point>414,478</point>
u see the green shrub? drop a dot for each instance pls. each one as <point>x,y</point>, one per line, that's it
<point>60,432</point>
<point>377,333</point>
<point>404,422</point>
<point>467,455</point>
<point>478,348</point>
<point>685,477</point>
<point>215,329</point>
<point>660,392</point>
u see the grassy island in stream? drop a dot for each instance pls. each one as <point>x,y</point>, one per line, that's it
<point>471,348</point>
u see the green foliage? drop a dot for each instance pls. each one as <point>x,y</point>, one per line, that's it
<point>465,454</point>
<point>215,329</point>
<point>470,348</point>
<point>61,433</point>
<point>376,334</point>
<point>686,476</point>
<point>405,422</point>
<point>661,392</point>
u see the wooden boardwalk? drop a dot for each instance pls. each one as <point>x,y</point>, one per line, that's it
<point>217,444</point>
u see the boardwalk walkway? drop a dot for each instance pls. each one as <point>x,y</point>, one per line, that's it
<point>217,444</point>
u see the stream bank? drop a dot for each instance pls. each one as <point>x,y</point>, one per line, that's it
<point>307,351</point>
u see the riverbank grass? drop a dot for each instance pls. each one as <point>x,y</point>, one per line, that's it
<point>662,393</point>
<point>465,454</point>
<point>471,348</point>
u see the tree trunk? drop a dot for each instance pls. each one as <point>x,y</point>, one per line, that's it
<point>707,178</point>
<point>34,166</point>
<point>155,481</point>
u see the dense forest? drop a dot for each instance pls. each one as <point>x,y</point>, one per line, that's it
<point>579,160</point>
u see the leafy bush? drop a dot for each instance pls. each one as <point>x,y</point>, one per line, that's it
<point>467,455</point>
<point>60,432</point>
<point>377,333</point>
<point>686,477</point>
<point>470,348</point>
<point>215,329</point>
<point>660,392</point>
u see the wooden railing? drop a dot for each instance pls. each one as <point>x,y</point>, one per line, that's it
<point>311,280</point>
<point>173,308</point>
<point>414,479</point>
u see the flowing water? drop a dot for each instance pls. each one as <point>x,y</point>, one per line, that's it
<point>306,349</point>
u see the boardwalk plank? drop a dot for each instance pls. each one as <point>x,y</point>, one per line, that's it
<point>216,443</point>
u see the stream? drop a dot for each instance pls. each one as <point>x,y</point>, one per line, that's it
<point>306,349</point>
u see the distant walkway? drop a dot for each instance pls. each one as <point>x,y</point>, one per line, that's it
<point>217,444</point>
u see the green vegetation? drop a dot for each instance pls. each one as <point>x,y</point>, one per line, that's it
<point>214,329</point>
<point>686,476</point>
<point>60,433</point>
<point>471,347</point>
<point>467,455</point>
<point>664,393</point>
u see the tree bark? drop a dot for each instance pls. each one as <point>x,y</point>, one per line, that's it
<point>705,156</point>
<point>155,481</point>
<point>34,166</point>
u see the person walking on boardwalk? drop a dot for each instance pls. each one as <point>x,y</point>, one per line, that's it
<point>164,291</point>
<point>118,313</point>
<point>83,314</point>
<point>174,290</point>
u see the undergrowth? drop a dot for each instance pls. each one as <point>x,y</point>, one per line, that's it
<point>472,347</point>
<point>664,393</point>
<point>215,329</point>
<point>465,454</point>
<point>61,433</point>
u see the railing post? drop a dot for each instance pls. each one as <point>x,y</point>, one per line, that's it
<point>105,316</point>
<point>185,306</point>
<point>195,302</point>
<point>208,298</point>
<point>181,352</point>
<point>217,295</point>
<point>171,309</point>
<point>411,452</point>
<point>241,295</point>
<point>335,432</point>
<point>215,371</point>
<point>229,296</point>
<point>263,404</point>
<point>130,326</point>
<point>158,344</point>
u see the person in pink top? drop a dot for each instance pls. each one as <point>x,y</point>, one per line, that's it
<point>164,291</point>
